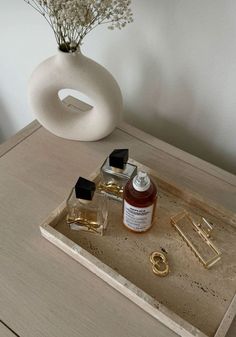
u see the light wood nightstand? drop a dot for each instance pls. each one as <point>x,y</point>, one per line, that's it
<point>43,292</point>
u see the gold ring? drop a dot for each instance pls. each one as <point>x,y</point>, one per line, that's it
<point>159,263</point>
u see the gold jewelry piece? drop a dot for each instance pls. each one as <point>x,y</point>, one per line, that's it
<point>112,188</point>
<point>159,263</point>
<point>196,235</point>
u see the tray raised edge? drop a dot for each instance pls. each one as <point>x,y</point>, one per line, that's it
<point>124,286</point>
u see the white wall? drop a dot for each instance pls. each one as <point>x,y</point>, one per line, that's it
<point>176,66</point>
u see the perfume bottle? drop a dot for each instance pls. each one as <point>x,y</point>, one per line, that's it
<point>87,208</point>
<point>140,197</point>
<point>115,173</point>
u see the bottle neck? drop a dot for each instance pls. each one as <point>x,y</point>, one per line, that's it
<point>116,169</point>
<point>85,202</point>
<point>69,57</point>
<point>141,182</point>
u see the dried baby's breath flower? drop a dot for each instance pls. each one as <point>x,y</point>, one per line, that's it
<point>72,20</point>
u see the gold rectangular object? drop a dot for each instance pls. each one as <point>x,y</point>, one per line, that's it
<point>196,235</point>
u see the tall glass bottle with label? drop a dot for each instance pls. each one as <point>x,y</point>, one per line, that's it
<point>140,197</point>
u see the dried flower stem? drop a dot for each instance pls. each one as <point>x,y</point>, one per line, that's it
<point>72,20</point>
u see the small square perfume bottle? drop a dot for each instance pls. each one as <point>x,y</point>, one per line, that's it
<point>115,173</point>
<point>87,208</point>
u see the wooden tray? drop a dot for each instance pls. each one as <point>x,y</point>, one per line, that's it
<point>191,300</point>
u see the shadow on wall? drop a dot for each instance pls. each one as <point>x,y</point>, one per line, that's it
<point>184,139</point>
<point>6,124</point>
<point>175,78</point>
<point>186,127</point>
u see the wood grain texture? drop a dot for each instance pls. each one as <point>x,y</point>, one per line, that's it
<point>19,137</point>
<point>178,153</point>
<point>5,332</point>
<point>40,284</point>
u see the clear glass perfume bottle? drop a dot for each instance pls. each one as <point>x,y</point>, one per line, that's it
<point>87,208</point>
<point>115,173</point>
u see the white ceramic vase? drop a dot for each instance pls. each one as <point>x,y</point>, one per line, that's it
<point>78,72</point>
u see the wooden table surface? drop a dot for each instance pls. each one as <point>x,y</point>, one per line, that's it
<point>43,292</point>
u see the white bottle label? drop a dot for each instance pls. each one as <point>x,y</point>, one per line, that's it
<point>137,218</point>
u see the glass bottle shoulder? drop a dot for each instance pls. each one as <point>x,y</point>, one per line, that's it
<point>129,170</point>
<point>97,202</point>
<point>137,198</point>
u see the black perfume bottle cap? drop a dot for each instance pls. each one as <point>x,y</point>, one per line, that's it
<point>84,189</point>
<point>118,158</point>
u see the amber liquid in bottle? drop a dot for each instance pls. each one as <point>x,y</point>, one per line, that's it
<point>140,197</point>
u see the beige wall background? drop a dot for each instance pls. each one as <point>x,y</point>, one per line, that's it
<point>176,66</point>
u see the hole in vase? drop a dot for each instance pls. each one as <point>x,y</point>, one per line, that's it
<point>75,100</point>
